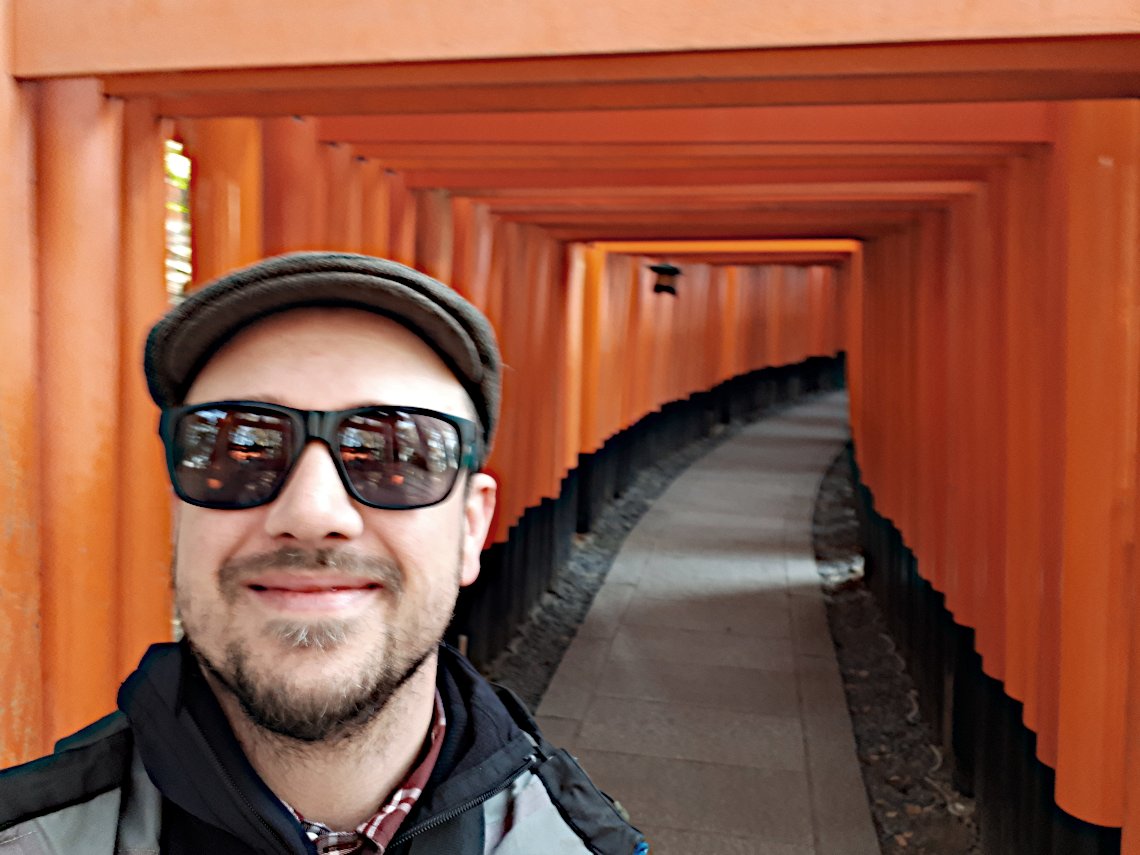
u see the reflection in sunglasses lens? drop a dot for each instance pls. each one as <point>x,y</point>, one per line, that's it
<point>399,459</point>
<point>237,457</point>
<point>231,457</point>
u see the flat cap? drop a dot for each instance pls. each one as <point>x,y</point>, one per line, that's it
<point>181,343</point>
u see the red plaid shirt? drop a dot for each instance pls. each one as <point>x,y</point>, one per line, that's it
<point>377,832</point>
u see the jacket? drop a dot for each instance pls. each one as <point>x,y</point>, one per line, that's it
<point>165,774</point>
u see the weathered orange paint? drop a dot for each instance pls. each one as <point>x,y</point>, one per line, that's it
<point>22,732</point>
<point>143,514</point>
<point>969,125</point>
<point>78,148</point>
<point>574,353</point>
<point>375,214</point>
<point>401,220</point>
<point>434,233</point>
<point>292,200</point>
<point>1099,149</point>
<point>344,197</point>
<point>225,194</point>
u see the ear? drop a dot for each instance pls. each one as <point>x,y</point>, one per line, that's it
<point>478,509</point>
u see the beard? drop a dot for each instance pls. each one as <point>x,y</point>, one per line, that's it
<point>274,707</point>
<point>344,706</point>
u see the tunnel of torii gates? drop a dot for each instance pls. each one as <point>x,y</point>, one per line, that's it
<point>951,198</point>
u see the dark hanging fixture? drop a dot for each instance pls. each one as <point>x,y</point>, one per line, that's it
<point>666,278</point>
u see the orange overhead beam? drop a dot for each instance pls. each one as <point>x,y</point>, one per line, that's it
<point>804,225</point>
<point>652,247</point>
<point>104,36</point>
<point>832,191</point>
<point>484,182</point>
<point>740,252</point>
<point>1045,84</point>
<point>585,162</point>
<point>996,57</point>
<point>945,124</point>
<point>789,154</point>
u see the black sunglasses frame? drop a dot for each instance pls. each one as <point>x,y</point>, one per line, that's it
<point>308,426</point>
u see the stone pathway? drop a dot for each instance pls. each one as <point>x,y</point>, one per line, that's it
<point>702,689</point>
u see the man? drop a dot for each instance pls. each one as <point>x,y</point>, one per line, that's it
<point>325,418</point>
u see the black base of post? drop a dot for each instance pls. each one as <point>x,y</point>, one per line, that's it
<point>980,728</point>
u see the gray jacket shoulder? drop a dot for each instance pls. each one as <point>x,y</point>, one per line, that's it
<point>92,789</point>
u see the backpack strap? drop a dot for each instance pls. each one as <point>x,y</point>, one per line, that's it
<point>600,821</point>
<point>523,718</point>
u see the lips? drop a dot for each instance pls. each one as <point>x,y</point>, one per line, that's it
<point>310,584</point>
<point>327,593</point>
<point>314,589</point>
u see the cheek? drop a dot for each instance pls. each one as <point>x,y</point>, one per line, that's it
<point>202,541</point>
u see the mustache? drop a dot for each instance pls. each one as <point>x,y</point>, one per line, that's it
<point>372,568</point>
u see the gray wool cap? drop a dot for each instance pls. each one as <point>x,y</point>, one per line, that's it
<point>181,343</point>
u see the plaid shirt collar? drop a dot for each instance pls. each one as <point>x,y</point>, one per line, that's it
<point>378,831</point>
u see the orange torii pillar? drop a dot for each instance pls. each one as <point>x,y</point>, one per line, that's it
<point>225,193</point>
<point>144,502</point>
<point>21,710</point>
<point>293,196</point>
<point>78,146</point>
<point>1098,152</point>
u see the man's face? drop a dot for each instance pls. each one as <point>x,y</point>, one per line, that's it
<point>313,609</point>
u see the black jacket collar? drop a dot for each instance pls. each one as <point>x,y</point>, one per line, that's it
<point>193,757</point>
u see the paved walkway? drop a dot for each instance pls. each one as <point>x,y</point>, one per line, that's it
<point>702,689</point>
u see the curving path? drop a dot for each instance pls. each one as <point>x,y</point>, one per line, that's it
<point>702,689</point>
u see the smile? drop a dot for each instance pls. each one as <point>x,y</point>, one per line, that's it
<point>327,595</point>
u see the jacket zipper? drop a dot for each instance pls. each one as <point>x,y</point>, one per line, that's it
<point>245,801</point>
<point>449,815</point>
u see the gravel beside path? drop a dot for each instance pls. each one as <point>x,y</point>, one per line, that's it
<point>916,809</point>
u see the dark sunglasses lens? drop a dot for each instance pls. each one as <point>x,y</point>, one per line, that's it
<point>399,460</point>
<point>231,457</point>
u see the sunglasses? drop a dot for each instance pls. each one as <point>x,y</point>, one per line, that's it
<point>232,455</point>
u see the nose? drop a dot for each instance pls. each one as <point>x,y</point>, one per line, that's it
<point>314,506</point>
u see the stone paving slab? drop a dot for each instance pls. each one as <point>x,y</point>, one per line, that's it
<point>702,689</point>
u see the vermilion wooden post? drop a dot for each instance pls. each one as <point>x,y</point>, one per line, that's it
<point>375,220</point>
<point>959,517</point>
<point>545,345</point>
<point>293,197</point>
<point>1024,340</point>
<point>729,320</point>
<point>435,233</point>
<point>593,317</point>
<point>853,307</point>
<point>566,386</point>
<point>988,433</point>
<point>573,329</point>
<point>144,502</point>
<point>344,196</point>
<point>401,221</point>
<point>22,726</point>
<point>527,323</point>
<point>928,391</point>
<point>79,155</point>
<point>636,337</point>
<point>1099,150</point>
<point>499,463</point>
<point>225,194</point>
